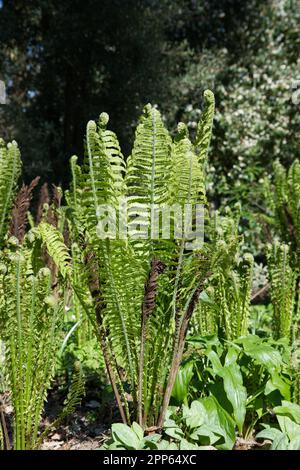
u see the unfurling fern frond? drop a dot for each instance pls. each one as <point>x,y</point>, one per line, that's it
<point>204,129</point>
<point>283,196</point>
<point>283,292</point>
<point>56,248</point>
<point>224,309</point>
<point>10,168</point>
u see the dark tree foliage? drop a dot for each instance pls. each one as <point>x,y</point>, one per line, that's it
<point>64,62</point>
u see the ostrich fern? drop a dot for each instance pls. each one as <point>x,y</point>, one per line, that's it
<point>284,296</point>
<point>283,199</point>
<point>139,293</point>
<point>31,309</point>
<point>30,316</point>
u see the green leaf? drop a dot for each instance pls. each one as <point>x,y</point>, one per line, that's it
<point>172,429</point>
<point>262,353</point>
<point>185,445</point>
<point>277,382</point>
<point>288,409</point>
<point>231,356</point>
<point>235,391</point>
<point>181,386</point>
<point>218,417</point>
<point>208,430</point>
<point>280,443</point>
<point>295,443</point>
<point>195,415</point>
<point>138,430</point>
<point>125,435</point>
<point>269,433</point>
<point>289,427</point>
<point>215,361</point>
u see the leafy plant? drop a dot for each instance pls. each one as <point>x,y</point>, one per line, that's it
<point>224,306</point>
<point>287,436</point>
<point>284,293</point>
<point>31,317</point>
<point>282,195</point>
<point>203,425</point>
<point>246,377</point>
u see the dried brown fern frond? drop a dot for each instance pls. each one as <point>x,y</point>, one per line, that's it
<point>19,213</point>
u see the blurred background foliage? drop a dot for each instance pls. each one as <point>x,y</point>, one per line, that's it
<point>65,62</point>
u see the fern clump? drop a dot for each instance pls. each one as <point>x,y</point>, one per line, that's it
<point>31,318</point>
<point>139,290</point>
<point>285,301</point>
<point>224,306</point>
<point>283,196</point>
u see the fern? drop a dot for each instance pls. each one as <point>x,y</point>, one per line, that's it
<point>31,316</point>
<point>283,196</point>
<point>140,315</point>
<point>224,307</point>
<point>283,291</point>
<point>10,167</point>
<point>73,400</point>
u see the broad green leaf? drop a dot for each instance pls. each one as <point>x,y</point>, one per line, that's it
<point>261,352</point>
<point>116,446</point>
<point>217,416</point>
<point>210,431</point>
<point>138,430</point>
<point>235,391</point>
<point>269,433</point>
<point>164,445</point>
<point>277,382</point>
<point>152,442</point>
<point>231,356</point>
<point>295,443</point>
<point>172,429</point>
<point>125,435</point>
<point>215,361</point>
<point>185,445</point>
<point>288,426</point>
<point>280,443</point>
<point>288,409</point>
<point>181,386</point>
<point>196,415</point>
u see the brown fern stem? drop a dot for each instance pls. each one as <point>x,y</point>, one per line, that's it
<point>157,267</point>
<point>94,287</point>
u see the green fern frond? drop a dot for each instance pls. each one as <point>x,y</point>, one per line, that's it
<point>204,129</point>
<point>58,251</point>
<point>10,168</point>
<point>283,290</point>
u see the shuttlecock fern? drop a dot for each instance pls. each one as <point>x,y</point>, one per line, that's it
<point>143,287</point>
<point>31,317</point>
<point>283,196</point>
<point>224,306</point>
